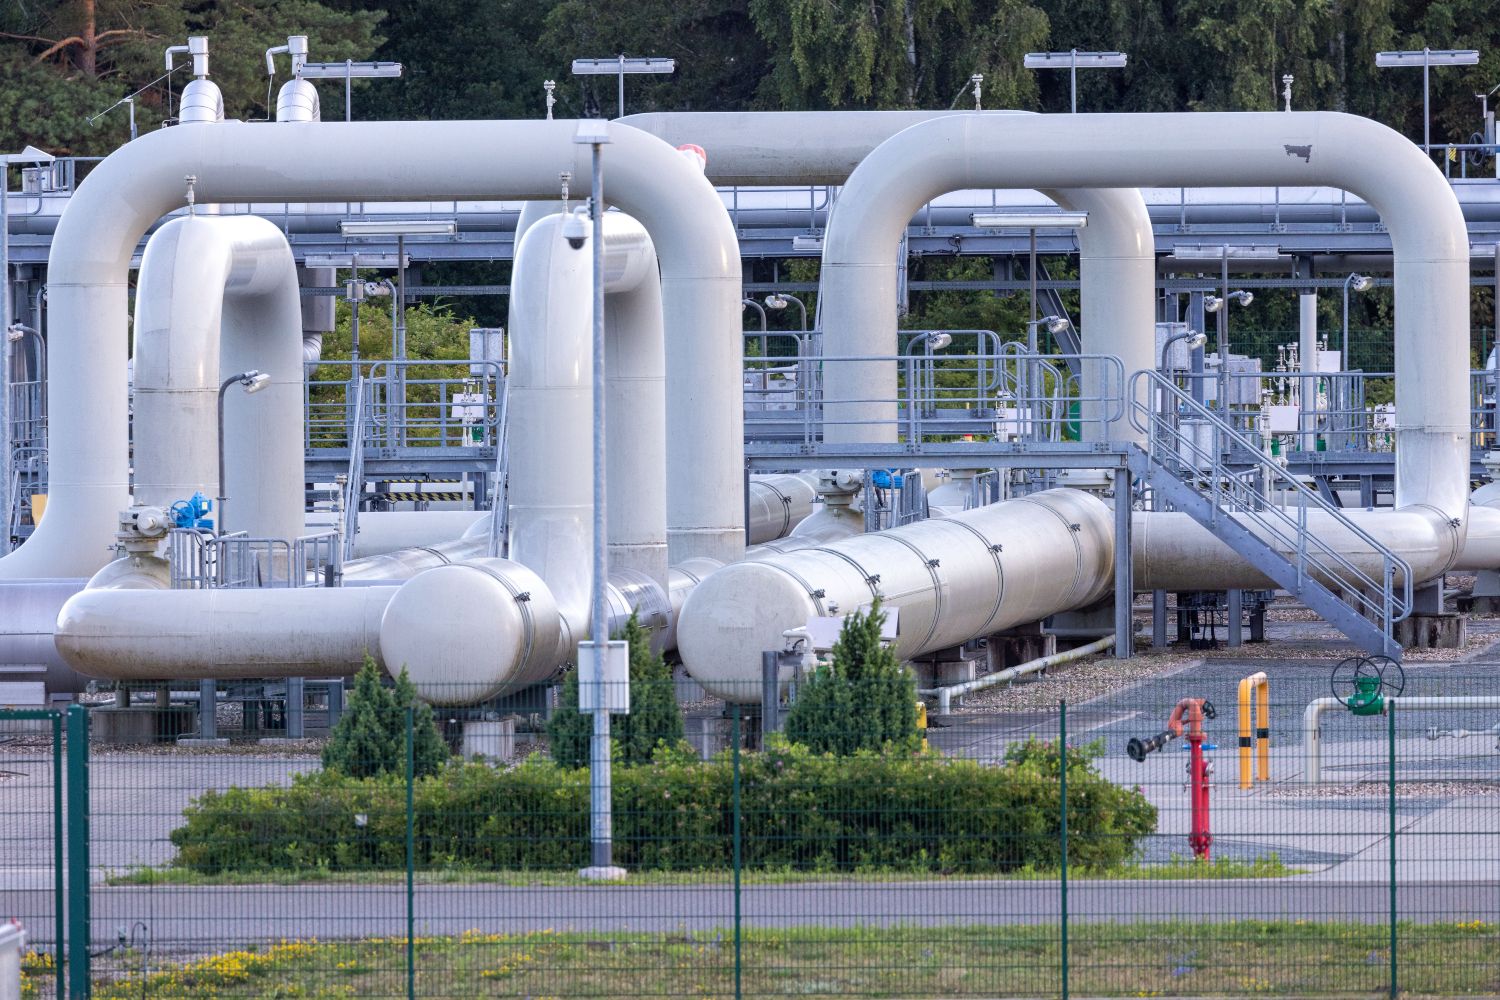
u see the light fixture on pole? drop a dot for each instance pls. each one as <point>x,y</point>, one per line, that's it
<point>778,300</point>
<point>1359,283</point>
<point>1031,221</point>
<point>1224,253</point>
<point>621,65</point>
<point>348,71</point>
<point>29,155</point>
<point>1195,339</point>
<point>603,664</point>
<point>401,229</point>
<point>1426,58</point>
<point>1054,325</point>
<point>253,381</point>
<point>1072,61</point>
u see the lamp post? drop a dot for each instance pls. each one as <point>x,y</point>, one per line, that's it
<point>1223,253</point>
<point>595,654</point>
<point>1195,339</point>
<point>1030,221</point>
<point>778,300</point>
<point>7,316</point>
<point>253,381</point>
<point>1071,61</point>
<point>619,66</point>
<point>763,328</point>
<point>1427,58</point>
<point>1360,283</point>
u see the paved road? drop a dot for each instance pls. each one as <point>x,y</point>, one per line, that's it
<point>221,916</point>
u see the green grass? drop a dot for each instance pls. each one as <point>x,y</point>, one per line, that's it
<point>1177,868</point>
<point>1246,958</point>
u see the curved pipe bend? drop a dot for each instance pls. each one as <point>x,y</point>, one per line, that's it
<point>377,161</point>
<point>1302,149</point>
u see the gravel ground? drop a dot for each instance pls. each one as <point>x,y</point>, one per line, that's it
<point>1078,682</point>
<point>1380,790</point>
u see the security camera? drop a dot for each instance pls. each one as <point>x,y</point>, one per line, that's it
<point>575,230</point>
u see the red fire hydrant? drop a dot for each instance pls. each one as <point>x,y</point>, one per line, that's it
<point>1199,769</point>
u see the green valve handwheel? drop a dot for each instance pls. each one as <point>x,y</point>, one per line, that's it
<point>1363,683</point>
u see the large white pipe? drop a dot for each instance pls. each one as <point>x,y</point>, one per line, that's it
<point>1428,235</point>
<point>551,415</point>
<point>1117,267</point>
<point>217,296</point>
<point>382,531</point>
<point>156,634</point>
<point>637,477</point>
<point>232,161</point>
<point>779,503</point>
<point>1171,551</point>
<point>947,579</point>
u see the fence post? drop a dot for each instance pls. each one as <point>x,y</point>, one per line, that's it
<point>735,757</point>
<point>59,888</point>
<point>1062,773</point>
<point>1390,720</point>
<point>80,986</point>
<point>411,910</point>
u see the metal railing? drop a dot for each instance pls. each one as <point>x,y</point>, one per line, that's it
<point>499,502</point>
<point>1005,395</point>
<point>354,479</point>
<point>1192,443</point>
<point>203,561</point>
<point>407,405</point>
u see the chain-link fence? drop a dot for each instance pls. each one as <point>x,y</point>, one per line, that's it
<point>861,851</point>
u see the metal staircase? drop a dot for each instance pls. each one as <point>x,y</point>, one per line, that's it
<point>1199,464</point>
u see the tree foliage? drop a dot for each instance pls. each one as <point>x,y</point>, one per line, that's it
<point>864,699</point>
<point>370,738</point>
<point>654,720</point>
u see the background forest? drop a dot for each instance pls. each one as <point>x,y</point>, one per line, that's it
<point>63,61</point>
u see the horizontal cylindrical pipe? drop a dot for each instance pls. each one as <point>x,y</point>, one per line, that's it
<point>162,634</point>
<point>946,579</point>
<point>945,695</point>
<point>1312,750</point>
<point>779,503</point>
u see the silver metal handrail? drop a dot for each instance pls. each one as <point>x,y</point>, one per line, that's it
<point>1194,444</point>
<point>939,396</point>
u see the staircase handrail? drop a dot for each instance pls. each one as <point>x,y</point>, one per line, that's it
<point>1163,432</point>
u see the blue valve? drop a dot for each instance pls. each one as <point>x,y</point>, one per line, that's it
<point>193,512</point>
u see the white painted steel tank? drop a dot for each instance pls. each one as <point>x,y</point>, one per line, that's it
<point>952,579</point>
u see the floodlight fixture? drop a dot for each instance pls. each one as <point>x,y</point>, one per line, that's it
<point>350,70</point>
<point>1030,220</point>
<point>1426,59</point>
<point>1219,251</point>
<point>254,381</point>
<point>1072,60</point>
<point>398,227</point>
<point>619,66</point>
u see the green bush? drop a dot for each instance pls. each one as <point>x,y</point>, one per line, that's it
<point>370,737</point>
<point>864,699</point>
<point>799,811</point>
<point>654,716</point>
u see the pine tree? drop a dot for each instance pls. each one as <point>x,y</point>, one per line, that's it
<point>864,699</point>
<point>654,716</point>
<point>370,737</point>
